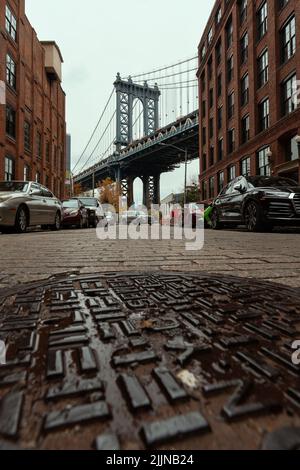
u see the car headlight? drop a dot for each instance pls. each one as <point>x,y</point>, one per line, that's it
<point>73,213</point>
<point>275,195</point>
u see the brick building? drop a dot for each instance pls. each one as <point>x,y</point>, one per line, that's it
<point>249,62</point>
<point>32,103</point>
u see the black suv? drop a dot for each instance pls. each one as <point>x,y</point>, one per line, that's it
<point>259,202</point>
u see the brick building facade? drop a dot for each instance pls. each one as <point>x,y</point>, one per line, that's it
<point>249,63</point>
<point>32,104</point>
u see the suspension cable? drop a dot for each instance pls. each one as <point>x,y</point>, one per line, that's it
<point>163,68</point>
<point>94,132</point>
<point>99,141</point>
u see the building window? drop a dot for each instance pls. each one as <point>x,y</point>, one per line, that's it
<point>245,90</point>
<point>244,48</point>
<point>243,10</point>
<point>10,23</point>
<point>229,33</point>
<point>220,118</point>
<point>220,149</point>
<point>231,105</point>
<point>211,128</point>
<point>55,158</point>
<point>219,52</point>
<point>219,15</point>
<point>219,85</point>
<point>231,173</point>
<point>262,20</point>
<point>246,166</point>
<point>292,151</point>
<point>211,98</point>
<point>288,40</point>
<point>221,181</point>
<point>204,162</point>
<point>288,97</point>
<point>38,177</point>
<point>245,129</point>
<point>48,151</point>
<point>10,121</point>
<point>211,187</point>
<point>9,170</point>
<point>204,190</point>
<point>47,181</point>
<point>27,136</point>
<point>211,156</point>
<point>263,164</point>
<point>11,72</point>
<point>26,173</point>
<point>210,35</point>
<point>231,141</point>
<point>282,3</point>
<point>230,69</point>
<point>264,114</point>
<point>203,83</point>
<point>39,145</point>
<point>203,135</point>
<point>203,51</point>
<point>209,69</point>
<point>263,68</point>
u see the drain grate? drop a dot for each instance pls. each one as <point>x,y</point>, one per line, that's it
<point>132,361</point>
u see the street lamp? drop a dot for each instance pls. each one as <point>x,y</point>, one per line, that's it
<point>185,165</point>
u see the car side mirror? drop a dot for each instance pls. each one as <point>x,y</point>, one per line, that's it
<point>239,188</point>
<point>35,192</point>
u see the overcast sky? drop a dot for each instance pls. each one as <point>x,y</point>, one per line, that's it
<point>98,39</point>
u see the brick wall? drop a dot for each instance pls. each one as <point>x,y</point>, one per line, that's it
<point>281,129</point>
<point>38,99</point>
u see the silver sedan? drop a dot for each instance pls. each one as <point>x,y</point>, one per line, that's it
<point>28,204</point>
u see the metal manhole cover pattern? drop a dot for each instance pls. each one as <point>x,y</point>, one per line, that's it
<point>138,361</point>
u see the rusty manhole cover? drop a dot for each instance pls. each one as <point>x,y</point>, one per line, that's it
<point>134,361</point>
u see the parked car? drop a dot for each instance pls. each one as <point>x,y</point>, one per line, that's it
<point>27,204</point>
<point>75,214</point>
<point>94,208</point>
<point>259,202</point>
<point>136,217</point>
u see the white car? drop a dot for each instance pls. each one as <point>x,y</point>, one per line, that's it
<point>26,204</point>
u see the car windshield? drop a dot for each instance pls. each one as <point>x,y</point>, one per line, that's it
<point>13,187</point>
<point>71,204</point>
<point>89,201</point>
<point>264,181</point>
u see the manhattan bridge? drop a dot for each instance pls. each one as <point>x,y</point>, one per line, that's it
<point>148,126</point>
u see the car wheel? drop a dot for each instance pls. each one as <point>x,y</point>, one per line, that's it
<point>80,225</point>
<point>57,224</point>
<point>253,217</point>
<point>215,223</point>
<point>21,222</point>
<point>6,230</point>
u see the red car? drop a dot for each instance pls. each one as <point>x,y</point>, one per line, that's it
<point>75,214</point>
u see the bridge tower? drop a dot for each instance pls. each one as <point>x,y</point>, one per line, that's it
<point>127,91</point>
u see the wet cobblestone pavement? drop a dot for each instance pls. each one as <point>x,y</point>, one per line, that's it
<point>134,361</point>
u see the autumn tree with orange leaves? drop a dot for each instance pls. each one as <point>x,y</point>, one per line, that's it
<point>110,192</point>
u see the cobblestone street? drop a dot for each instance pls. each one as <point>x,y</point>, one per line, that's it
<point>38,255</point>
<point>140,345</point>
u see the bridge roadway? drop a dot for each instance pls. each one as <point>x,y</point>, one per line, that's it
<point>147,158</point>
